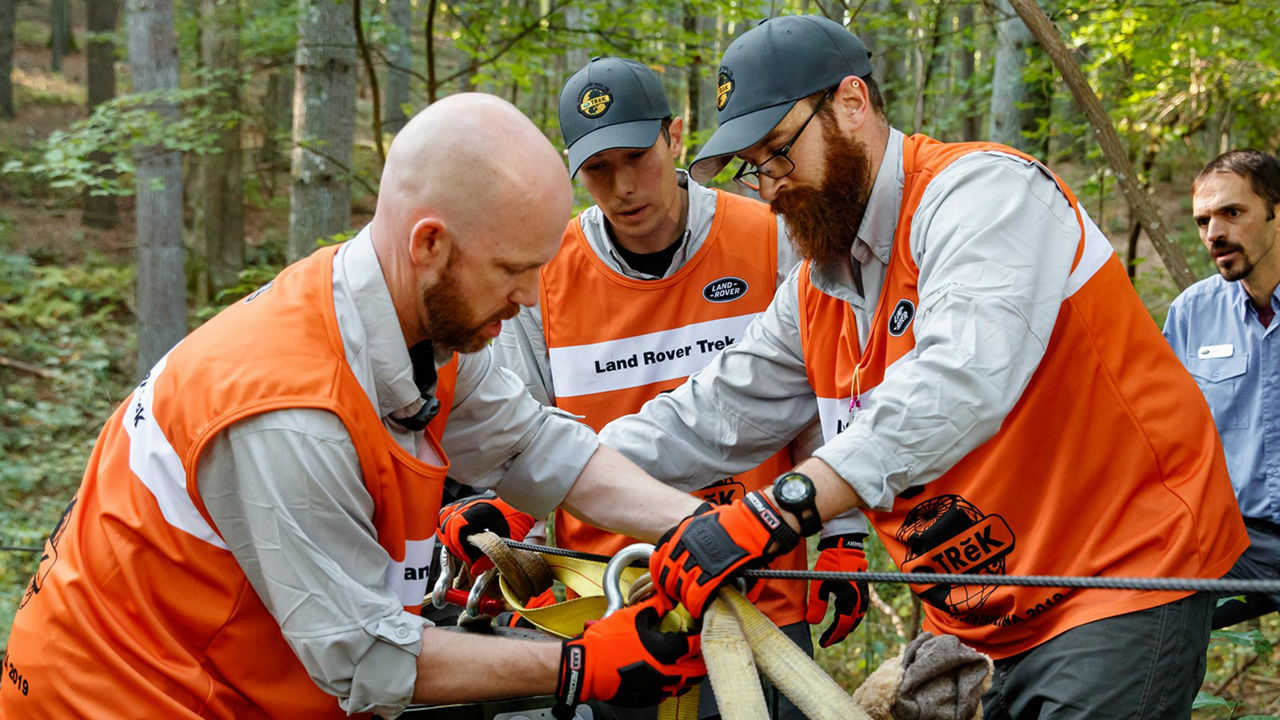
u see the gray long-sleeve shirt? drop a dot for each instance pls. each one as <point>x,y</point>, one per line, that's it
<point>994,239</point>
<point>286,492</point>
<point>522,347</point>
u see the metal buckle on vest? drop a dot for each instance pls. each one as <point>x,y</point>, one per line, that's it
<point>419,420</point>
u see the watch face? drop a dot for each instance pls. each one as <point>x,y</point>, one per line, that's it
<point>792,489</point>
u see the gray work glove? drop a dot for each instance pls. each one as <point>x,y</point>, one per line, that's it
<point>942,679</point>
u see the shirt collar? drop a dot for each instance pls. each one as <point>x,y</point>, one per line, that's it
<point>1241,301</point>
<point>880,221</point>
<point>378,340</point>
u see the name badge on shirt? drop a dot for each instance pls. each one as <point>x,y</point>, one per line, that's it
<point>1216,351</point>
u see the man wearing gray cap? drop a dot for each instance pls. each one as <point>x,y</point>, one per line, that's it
<point>990,387</point>
<point>649,284</point>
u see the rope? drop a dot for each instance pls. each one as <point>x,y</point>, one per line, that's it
<point>1221,585</point>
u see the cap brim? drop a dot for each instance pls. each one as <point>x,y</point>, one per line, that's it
<point>637,134</point>
<point>734,135</point>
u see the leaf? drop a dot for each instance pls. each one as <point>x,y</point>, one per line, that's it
<point>1209,700</point>
<point>1252,639</point>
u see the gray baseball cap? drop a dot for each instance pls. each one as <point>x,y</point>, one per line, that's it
<point>610,103</point>
<point>766,71</point>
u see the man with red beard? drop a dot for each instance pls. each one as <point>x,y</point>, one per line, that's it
<point>990,386</point>
<point>1223,329</point>
<point>659,262</point>
<point>254,528</point>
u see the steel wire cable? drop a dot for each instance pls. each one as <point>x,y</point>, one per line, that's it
<point>1220,585</point>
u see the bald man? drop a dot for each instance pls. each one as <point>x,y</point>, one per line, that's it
<point>252,535</point>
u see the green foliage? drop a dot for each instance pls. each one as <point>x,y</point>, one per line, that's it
<point>117,129</point>
<point>69,326</point>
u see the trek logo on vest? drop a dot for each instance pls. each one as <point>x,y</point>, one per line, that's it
<point>901,318</point>
<point>50,555</point>
<point>726,289</point>
<point>948,534</point>
<point>722,492</point>
<point>642,359</point>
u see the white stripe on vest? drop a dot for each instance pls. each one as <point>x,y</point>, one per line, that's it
<point>157,465</point>
<point>642,359</point>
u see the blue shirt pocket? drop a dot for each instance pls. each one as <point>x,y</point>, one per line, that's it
<point>1221,380</point>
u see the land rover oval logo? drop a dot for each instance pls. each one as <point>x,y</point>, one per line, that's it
<point>724,88</point>
<point>725,289</point>
<point>595,101</point>
<point>900,320</point>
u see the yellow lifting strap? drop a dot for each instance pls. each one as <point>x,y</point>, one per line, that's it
<point>737,639</point>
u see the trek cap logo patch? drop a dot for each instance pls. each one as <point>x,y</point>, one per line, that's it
<point>724,87</point>
<point>726,289</point>
<point>594,101</point>
<point>901,318</point>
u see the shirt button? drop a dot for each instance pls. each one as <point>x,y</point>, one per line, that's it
<point>403,632</point>
<point>1215,373</point>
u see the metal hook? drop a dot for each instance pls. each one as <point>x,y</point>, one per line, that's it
<point>478,590</point>
<point>448,570</point>
<point>613,573</point>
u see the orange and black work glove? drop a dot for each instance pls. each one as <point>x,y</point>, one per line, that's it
<point>839,553</point>
<point>464,518</point>
<point>705,550</point>
<point>625,660</point>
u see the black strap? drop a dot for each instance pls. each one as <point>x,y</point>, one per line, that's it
<point>423,358</point>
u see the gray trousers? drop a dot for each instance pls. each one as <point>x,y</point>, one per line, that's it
<point>1145,665</point>
<point>1260,561</point>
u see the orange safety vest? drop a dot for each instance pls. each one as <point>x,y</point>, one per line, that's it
<point>615,342</point>
<point>1108,465</point>
<point>137,608</point>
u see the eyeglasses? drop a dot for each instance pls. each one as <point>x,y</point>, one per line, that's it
<point>777,165</point>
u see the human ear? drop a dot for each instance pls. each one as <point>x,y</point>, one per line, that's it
<point>429,245</point>
<point>852,102</point>
<point>676,131</point>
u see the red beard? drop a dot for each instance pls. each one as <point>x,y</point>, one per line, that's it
<point>823,222</point>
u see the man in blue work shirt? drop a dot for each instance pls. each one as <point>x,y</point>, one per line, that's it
<point>1224,330</point>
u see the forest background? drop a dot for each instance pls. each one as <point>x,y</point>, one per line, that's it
<point>161,159</point>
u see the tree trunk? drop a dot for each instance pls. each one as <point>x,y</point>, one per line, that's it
<point>429,29</point>
<point>1139,201</point>
<point>8,18</point>
<point>60,41</point>
<point>100,211</point>
<point>219,232</point>
<point>1009,93</point>
<point>162,296</point>
<point>399,57</point>
<point>697,57</point>
<point>277,108</point>
<point>576,18</point>
<point>971,124</point>
<point>324,124</point>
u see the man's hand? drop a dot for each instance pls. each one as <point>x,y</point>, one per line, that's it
<point>700,554</point>
<point>464,518</point>
<point>626,660</point>
<point>840,553</point>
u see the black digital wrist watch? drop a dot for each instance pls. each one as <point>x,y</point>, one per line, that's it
<point>794,492</point>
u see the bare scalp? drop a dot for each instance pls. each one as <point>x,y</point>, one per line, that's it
<point>476,162</point>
